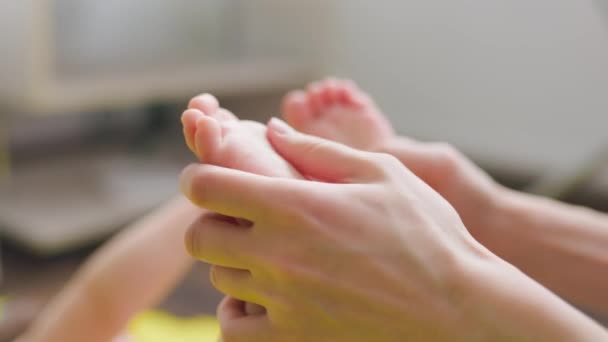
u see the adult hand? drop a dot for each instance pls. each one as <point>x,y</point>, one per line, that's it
<point>561,246</point>
<point>366,252</point>
<point>474,195</point>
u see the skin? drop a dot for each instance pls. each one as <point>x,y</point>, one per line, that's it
<point>401,259</point>
<point>133,271</point>
<point>338,110</point>
<point>217,137</point>
<point>137,268</point>
<point>562,246</point>
<point>517,227</point>
<point>130,273</point>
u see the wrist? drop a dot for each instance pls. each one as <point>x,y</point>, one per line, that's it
<point>499,302</point>
<point>495,217</point>
<point>510,226</point>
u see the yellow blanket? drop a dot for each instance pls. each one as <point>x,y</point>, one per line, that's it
<point>155,326</point>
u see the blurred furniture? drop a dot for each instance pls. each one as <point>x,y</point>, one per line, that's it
<point>53,205</point>
<point>76,179</point>
<point>66,55</point>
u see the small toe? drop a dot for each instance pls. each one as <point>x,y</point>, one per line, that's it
<point>343,93</point>
<point>224,115</point>
<point>206,103</point>
<point>350,94</point>
<point>189,119</point>
<point>314,97</point>
<point>329,94</point>
<point>207,138</point>
<point>296,109</point>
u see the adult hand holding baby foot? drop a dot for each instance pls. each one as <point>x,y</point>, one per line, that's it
<point>369,253</point>
<point>339,110</point>
<point>537,235</point>
<point>217,137</point>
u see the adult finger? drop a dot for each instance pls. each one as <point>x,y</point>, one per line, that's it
<point>240,194</point>
<point>217,241</point>
<point>237,326</point>
<point>237,283</point>
<point>319,158</point>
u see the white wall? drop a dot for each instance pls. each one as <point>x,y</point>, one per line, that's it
<point>13,35</point>
<point>62,55</point>
<point>523,82</point>
<point>116,35</point>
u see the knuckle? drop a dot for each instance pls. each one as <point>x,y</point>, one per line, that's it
<point>314,146</point>
<point>213,276</point>
<point>198,187</point>
<point>201,237</point>
<point>387,164</point>
<point>228,281</point>
<point>447,156</point>
<point>284,270</point>
<point>444,147</point>
<point>304,204</point>
<point>193,239</point>
<point>392,162</point>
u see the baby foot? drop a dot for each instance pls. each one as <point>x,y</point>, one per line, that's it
<point>337,110</point>
<point>217,137</point>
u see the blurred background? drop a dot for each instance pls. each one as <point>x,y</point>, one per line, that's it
<point>91,92</point>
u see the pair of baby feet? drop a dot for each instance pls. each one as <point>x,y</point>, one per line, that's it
<point>333,109</point>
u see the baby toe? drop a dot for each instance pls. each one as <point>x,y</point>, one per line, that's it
<point>296,109</point>
<point>207,138</point>
<point>329,94</point>
<point>206,103</point>
<point>314,97</point>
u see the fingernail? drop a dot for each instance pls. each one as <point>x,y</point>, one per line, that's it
<point>185,179</point>
<point>279,126</point>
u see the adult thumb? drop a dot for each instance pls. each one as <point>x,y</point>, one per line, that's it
<point>319,158</point>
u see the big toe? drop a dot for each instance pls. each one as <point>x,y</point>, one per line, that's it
<point>206,103</point>
<point>296,109</point>
<point>209,105</point>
